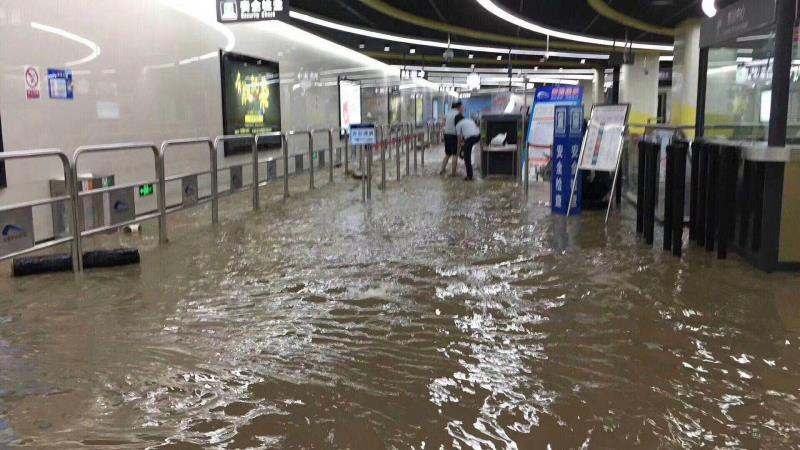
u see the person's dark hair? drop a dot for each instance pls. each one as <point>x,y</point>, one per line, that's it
<point>457,104</point>
<point>459,118</point>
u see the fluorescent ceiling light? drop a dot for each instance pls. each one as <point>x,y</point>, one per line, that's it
<point>666,58</point>
<point>709,8</point>
<point>93,47</point>
<point>493,8</point>
<point>438,44</point>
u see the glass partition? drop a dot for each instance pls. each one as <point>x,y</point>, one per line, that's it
<point>739,88</point>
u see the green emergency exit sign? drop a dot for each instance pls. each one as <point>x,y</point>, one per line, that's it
<point>146,190</point>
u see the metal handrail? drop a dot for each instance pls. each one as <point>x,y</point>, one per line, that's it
<point>346,133</point>
<point>212,165</point>
<point>78,212</point>
<point>310,136</point>
<point>329,131</point>
<point>254,148</point>
<point>256,182</point>
<point>70,188</point>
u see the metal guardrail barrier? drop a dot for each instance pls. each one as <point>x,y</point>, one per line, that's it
<point>70,197</point>
<point>159,181</point>
<point>166,145</point>
<point>123,208</point>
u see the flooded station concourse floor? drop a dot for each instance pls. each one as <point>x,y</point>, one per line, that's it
<point>442,315</point>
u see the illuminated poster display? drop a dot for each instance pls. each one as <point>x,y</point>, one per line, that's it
<point>395,102</point>
<point>251,100</point>
<point>420,110</point>
<point>349,103</point>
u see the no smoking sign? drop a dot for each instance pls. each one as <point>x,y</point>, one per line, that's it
<point>32,83</point>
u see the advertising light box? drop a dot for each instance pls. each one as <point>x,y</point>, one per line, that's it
<point>251,100</point>
<point>349,103</point>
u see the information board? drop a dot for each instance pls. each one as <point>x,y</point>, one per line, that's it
<point>567,145</point>
<point>363,134</point>
<point>540,134</point>
<point>603,144</point>
<point>59,84</point>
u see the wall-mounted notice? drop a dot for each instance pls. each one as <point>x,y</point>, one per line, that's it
<point>363,134</point>
<point>252,10</point>
<point>567,144</point>
<point>33,90</point>
<point>604,137</point>
<point>59,83</point>
<point>540,134</point>
<point>349,103</point>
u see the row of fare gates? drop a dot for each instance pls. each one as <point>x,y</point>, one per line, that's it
<point>89,205</point>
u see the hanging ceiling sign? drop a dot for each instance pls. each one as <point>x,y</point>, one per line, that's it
<point>738,20</point>
<point>232,11</point>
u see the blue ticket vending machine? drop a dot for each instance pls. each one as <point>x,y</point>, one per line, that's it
<point>567,142</point>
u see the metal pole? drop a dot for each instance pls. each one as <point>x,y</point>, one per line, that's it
<point>369,172</point>
<point>310,161</point>
<point>285,148</point>
<point>214,182</point>
<point>415,142</point>
<point>330,163</point>
<point>384,144</point>
<point>407,138</point>
<point>77,220</point>
<point>346,152</point>
<point>398,136</point>
<point>362,174</point>
<point>256,200</point>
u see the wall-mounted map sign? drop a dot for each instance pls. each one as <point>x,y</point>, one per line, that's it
<point>229,11</point>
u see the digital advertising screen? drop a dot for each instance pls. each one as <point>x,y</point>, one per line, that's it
<point>395,102</point>
<point>251,100</point>
<point>420,110</point>
<point>349,103</point>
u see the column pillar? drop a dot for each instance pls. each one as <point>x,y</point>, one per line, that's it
<point>686,72</point>
<point>639,87</point>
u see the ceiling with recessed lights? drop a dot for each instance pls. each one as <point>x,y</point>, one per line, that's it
<point>468,23</point>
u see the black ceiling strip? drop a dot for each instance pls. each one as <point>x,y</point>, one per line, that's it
<point>358,15</point>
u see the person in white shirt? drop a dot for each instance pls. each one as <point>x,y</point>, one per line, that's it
<point>450,137</point>
<point>468,134</point>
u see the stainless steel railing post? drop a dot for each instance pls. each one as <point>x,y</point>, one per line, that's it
<point>383,143</point>
<point>415,141</point>
<point>310,161</point>
<point>398,145</point>
<point>285,148</point>
<point>407,139</point>
<point>362,173</point>
<point>346,150</point>
<point>331,161</point>
<point>212,150</point>
<point>369,172</point>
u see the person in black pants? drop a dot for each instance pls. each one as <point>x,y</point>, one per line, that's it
<point>469,134</point>
<point>450,137</point>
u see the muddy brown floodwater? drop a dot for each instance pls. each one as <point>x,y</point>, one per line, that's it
<point>443,315</point>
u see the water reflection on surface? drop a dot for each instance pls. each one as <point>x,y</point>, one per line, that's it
<point>446,315</point>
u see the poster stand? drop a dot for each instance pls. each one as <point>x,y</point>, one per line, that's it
<point>615,124</point>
